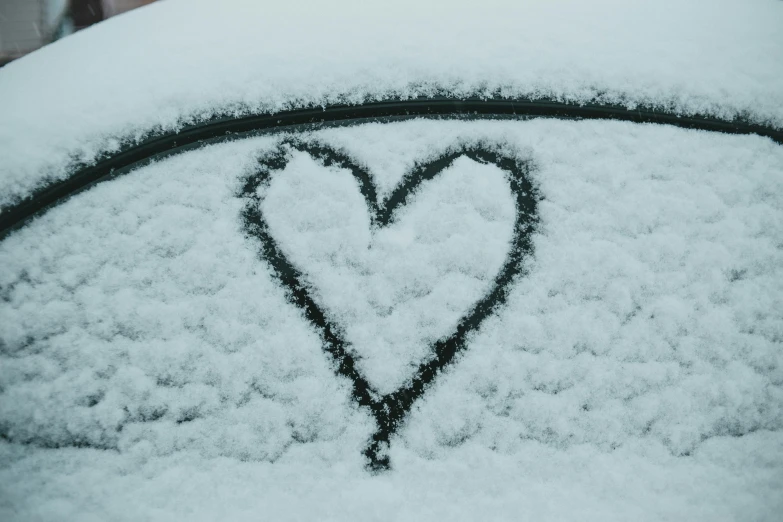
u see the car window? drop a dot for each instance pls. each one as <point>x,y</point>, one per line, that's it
<point>149,313</point>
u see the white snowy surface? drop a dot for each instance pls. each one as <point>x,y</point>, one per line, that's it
<point>184,60</point>
<point>405,286</point>
<point>152,369</point>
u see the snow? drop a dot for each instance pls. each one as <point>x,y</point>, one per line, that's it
<point>182,61</point>
<point>152,368</point>
<point>415,278</point>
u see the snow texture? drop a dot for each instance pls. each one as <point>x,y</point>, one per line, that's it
<point>182,61</point>
<point>152,369</point>
<point>399,289</point>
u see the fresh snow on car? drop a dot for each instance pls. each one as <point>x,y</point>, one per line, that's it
<point>411,316</point>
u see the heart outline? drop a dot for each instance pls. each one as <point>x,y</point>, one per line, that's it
<point>390,410</point>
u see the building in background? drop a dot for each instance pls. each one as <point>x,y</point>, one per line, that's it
<point>84,13</point>
<point>115,7</point>
<point>26,25</point>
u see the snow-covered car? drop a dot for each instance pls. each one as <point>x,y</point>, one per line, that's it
<point>440,261</point>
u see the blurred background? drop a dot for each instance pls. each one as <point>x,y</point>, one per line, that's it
<point>26,25</point>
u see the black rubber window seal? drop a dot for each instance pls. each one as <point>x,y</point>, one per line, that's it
<point>162,144</point>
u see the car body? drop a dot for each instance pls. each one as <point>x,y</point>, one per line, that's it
<point>509,260</point>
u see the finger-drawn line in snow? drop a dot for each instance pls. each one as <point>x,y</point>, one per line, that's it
<point>390,410</point>
<point>154,145</point>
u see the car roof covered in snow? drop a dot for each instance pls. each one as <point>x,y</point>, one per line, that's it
<point>351,317</point>
<point>182,61</point>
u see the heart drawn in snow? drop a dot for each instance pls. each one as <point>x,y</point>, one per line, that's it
<point>390,409</point>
